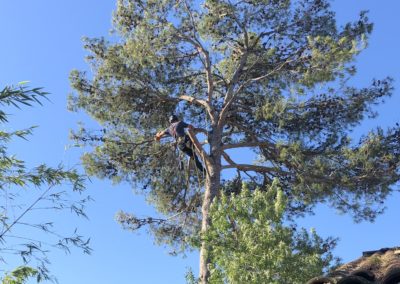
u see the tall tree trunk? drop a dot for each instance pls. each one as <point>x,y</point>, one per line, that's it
<point>212,185</point>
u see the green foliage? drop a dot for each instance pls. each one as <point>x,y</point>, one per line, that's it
<point>24,191</point>
<point>19,275</point>
<point>251,243</point>
<point>189,277</point>
<point>21,94</point>
<point>269,76</point>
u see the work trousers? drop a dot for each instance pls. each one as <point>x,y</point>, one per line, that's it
<point>186,147</point>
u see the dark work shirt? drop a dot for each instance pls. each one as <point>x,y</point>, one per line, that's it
<point>177,129</point>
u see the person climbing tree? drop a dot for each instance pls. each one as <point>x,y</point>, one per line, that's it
<point>271,82</point>
<point>184,144</point>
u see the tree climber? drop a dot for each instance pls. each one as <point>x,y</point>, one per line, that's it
<point>177,130</point>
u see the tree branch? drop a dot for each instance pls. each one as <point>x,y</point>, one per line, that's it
<point>248,167</point>
<point>8,228</point>
<point>229,97</point>
<point>246,144</point>
<point>254,168</point>
<point>199,102</point>
<point>198,147</point>
<point>228,158</point>
<point>207,60</point>
<point>276,69</point>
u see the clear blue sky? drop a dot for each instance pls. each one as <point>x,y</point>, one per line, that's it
<point>41,42</point>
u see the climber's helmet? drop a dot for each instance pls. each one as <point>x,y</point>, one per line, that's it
<point>173,118</point>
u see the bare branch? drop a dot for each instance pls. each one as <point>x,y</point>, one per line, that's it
<point>248,167</point>
<point>198,147</point>
<point>242,128</point>
<point>200,130</point>
<point>254,168</point>
<point>228,158</point>
<point>276,69</point>
<point>191,20</point>
<point>246,144</point>
<point>199,102</point>
<point>8,227</point>
<point>205,60</point>
<point>229,97</point>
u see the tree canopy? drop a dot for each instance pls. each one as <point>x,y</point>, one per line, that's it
<point>271,77</point>
<point>251,244</point>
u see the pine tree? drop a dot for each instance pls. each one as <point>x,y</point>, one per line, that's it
<point>267,77</point>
